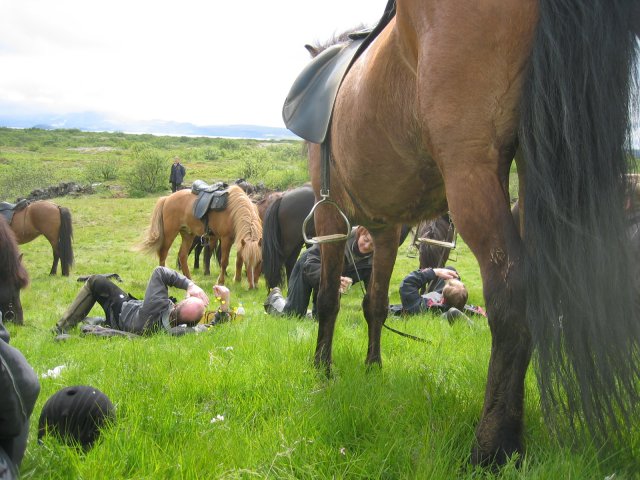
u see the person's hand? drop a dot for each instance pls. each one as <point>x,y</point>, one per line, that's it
<point>224,294</point>
<point>195,291</point>
<point>445,273</point>
<point>345,284</point>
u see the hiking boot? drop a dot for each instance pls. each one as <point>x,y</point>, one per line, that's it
<point>453,314</point>
<point>78,310</point>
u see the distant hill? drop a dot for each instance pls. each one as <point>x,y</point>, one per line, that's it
<point>96,122</point>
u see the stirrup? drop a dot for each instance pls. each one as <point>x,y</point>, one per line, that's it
<point>334,237</point>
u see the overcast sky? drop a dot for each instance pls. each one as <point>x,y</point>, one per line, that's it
<point>207,62</point>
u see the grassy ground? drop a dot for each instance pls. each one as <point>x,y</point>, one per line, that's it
<point>243,400</point>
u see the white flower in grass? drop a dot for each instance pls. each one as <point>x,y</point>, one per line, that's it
<point>343,451</point>
<point>54,372</point>
<point>217,418</point>
<point>228,349</point>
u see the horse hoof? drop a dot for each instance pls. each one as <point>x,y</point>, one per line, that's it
<point>497,457</point>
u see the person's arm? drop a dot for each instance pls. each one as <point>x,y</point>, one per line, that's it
<point>157,294</point>
<point>412,301</point>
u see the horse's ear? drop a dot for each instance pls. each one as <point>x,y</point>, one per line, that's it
<point>313,51</point>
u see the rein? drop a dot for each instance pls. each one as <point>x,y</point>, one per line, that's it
<point>364,292</point>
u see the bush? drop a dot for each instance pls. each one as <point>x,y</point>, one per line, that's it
<point>20,179</point>
<point>255,167</point>
<point>149,173</point>
<point>102,171</point>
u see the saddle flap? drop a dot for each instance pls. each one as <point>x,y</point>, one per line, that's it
<point>206,201</point>
<point>308,106</point>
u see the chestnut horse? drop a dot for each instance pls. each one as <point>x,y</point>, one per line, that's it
<point>239,222</point>
<point>54,222</point>
<point>13,276</point>
<point>431,115</point>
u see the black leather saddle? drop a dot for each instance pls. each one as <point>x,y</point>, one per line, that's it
<point>210,197</point>
<point>308,106</point>
<point>8,209</point>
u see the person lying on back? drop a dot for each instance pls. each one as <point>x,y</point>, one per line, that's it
<point>127,314</point>
<point>445,293</point>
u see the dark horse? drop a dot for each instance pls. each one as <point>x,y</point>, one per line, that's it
<point>13,276</point>
<point>282,237</point>
<point>441,229</point>
<point>54,222</point>
<point>441,102</point>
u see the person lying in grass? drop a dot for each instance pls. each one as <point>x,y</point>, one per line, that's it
<point>125,313</point>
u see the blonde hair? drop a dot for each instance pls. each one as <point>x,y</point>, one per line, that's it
<point>455,294</point>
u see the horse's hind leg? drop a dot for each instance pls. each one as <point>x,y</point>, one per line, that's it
<point>54,266</point>
<point>490,232</point>
<point>376,302</point>
<point>183,253</point>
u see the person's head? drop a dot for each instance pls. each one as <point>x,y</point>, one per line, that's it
<point>190,311</point>
<point>454,294</point>
<point>364,240</point>
<point>176,159</point>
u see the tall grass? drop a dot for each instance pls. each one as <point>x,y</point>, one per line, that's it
<point>243,400</point>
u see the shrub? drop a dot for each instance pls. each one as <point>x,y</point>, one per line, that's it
<point>149,173</point>
<point>19,179</point>
<point>102,171</point>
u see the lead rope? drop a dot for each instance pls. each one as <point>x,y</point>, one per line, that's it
<point>364,292</point>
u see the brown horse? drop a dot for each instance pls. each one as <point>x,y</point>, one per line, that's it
<point>239,222</point>
<point>432,114</point>
<point>54,222</point>
<point>13,276</point>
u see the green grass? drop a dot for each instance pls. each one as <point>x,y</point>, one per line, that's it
<point>414,418</point>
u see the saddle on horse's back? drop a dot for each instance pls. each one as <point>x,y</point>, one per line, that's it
<point>8,209</point>
<point>210,197</point>
<point>308,106</point>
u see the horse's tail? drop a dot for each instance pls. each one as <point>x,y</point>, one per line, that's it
<point>272,256</point>
<point>574,127</point>
<point>65,240</point>
<point>154,235</point>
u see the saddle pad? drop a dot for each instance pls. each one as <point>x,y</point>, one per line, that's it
<point>308,106</point>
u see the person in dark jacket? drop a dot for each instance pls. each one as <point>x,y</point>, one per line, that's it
<point>127,314</point>
<point>19,390</point>
<point>305,276</point>
<point>177,174</point>
<point>445,293</point>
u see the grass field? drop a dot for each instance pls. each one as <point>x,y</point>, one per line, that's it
<point>243,400</point>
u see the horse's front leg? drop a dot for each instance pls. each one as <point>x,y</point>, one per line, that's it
<point>376,301</point>
<point>485,222</point>
<point>238,275</point>
<point>225,248</point>
<point>328,302</point>
<point>208,252</point>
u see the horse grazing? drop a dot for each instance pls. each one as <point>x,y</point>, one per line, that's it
<point>282,231</point>
<point>54,222</point>
<point>13,276</point>
<point>441,229</point>
<point>238,223</point>
<point>430,117</point>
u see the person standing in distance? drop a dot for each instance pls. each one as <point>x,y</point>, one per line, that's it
<point>177,174</point>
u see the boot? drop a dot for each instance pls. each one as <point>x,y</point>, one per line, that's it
<point>77,311</point>
<point>275,302</point>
